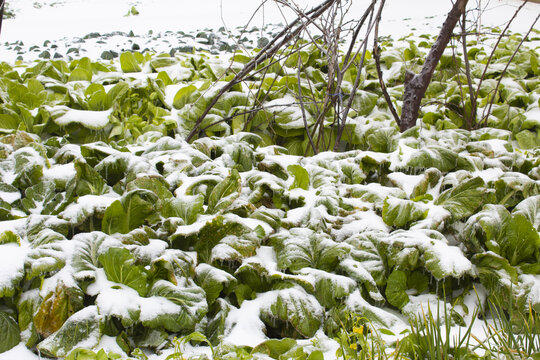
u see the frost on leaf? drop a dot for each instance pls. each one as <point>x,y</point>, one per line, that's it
<point>82,329</point>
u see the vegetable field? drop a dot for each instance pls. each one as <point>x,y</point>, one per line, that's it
<point>120,239</point>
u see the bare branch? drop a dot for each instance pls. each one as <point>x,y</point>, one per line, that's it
<point>416,84</point>
<point>377,57</point>
<point>471,118</point>
<point>485,118</point>
<point>268,51</point>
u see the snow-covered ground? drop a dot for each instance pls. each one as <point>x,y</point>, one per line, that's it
<point>60,25</point>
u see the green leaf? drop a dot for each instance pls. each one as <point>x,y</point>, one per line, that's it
<point>157,184</point>
<point>305,248</point>
<point>28,167</point>
<point>293,313</point>
<point>212,233</point>
<point>364,102</point>
<point>225,192</point>
<point>509,235</point>
<point>120,267</point>
<point>47,256</point>
<point>117,92</point>
<point>463,200</point>
<point>274,347</point>
<point>10,332</point>
<point>330,289</point>
<point>26,308</point>
<point>371,253</point>
<point>190,307</point>
<point>129,212</point>
<point>520,241</point>
<point>528,139</point>
<point>401,213</point>
<point>430,180</point>
<point>80,74</point>
<point>82,329</point>
<point>529,208</point>
<point>213,281</point>
<point>443,260</point>
<point>183,96</point>
<point>301,177</point>
<point>128,63</point>
<point>84,354</point>
<point>87,181</point>
<point>486,225</point>
<point>39,198</point>
<point>160,62</point>
<point>85,259</point>
<point>361,274</point>
<point>186,207</point>
<point>9,122</point>
<point>396,288</point>
<point>56,308</point>
<point>383,140</point>
<point>9,236</point>
<point>434,157</point>
<point>217,316</point>
<point>495,273</point>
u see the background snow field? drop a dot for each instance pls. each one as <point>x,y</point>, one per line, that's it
<point>120,239</point>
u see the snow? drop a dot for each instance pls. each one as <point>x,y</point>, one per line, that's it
<point>10,197</point>
<point>405,182</point>
<point>364,221</point>
<point>451,259</point>
<point>87,204</point>
<point>393,322</point>
<point>12,258</point>
<point>109,344</point>
<point>94,120</point>
<point>244,327</point>
<point>19,352</point>
<point>60,174</point>
<point>78,18</point>
<point>532,284</point>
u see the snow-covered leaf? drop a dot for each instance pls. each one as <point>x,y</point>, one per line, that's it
<point>225,192</point>
<point>401,213</point>
<point>463,200</point>
<point>302,248</point>
<point>293,313</point>
<point>119,265</point>
<point>56,308</point>
<point>82,329</point>
<point>129,212</point>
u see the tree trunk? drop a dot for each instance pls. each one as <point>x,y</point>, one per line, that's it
<point>2,2</point>
<point>416,84</point>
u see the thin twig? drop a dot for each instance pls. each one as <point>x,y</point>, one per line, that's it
<point>377,58</point>
<point>301,100</point>
<point>484,119</point>
<point>277,43</point>
<point>495,48</point>
<point>471,118</point>
<point>359,68</point>
<point>247,112</point>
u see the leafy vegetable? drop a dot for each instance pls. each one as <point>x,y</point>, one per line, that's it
<point>119,265</point>
<point>129,212</point>
<point>400,213</point>
<point>10,332</point>
<point>463,200</point>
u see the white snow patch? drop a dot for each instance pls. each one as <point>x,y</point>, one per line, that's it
<point>60,174</point>
<point>95,120</point>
